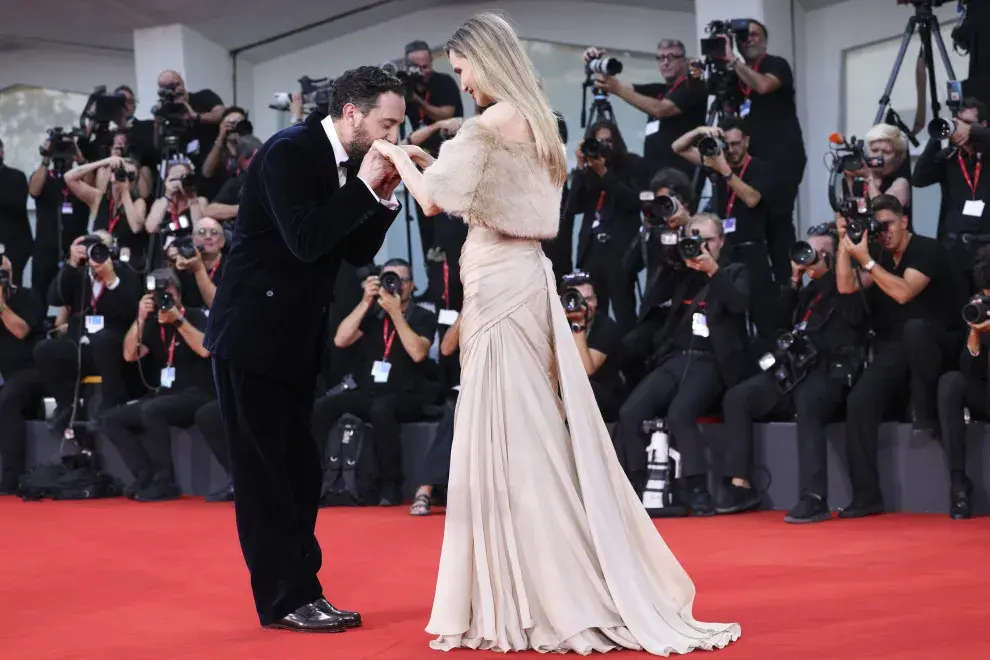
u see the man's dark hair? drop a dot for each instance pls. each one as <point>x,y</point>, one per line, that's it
<point>677,182</point>
<point>416,46</point>
<point>124,88</point>
<point>766,33</point>
<point>398,261</point>
<point>971,102</point>
<point>733,124</point>
<point>232,109</point>
<point>887,203</point>
<point>362,86</point>
<point>247,145</point>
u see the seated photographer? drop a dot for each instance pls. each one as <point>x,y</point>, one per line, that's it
<point>910,307</point>
<point>673,107</point>
<point>605,188</point>
<point>967,388</point>
<point>964,224</point>
<point>114,204</point>
<point>812,376</point>
<point>667,207</point>
<point>22,316</point>
<point>598,342</point>
<point>743,195</point>
<point>199,262</point>
<point>97,295</point>
<point>390,386</point>
<point>15,228</point>
<point>223,206</point>
<point>210,425</point>
<point>221,162</point>
<point>180,206</point>
<point>695,353</point>
<point>172,336</point>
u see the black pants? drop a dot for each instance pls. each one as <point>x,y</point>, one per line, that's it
<point>434,464</point>
<point>613,285</point>
<point>780,222</point>
<point>961,255</point>
<point>140,431</point>
<point>210,425</point>
<point>20,397</point>
<point>277,480</point>
<point>385,413</point>
<point>609,400</point>
<point>59,363</point>
<point>815,399</point>
<point>18,251</point>
<point>681,389</point>
<point>763,293</point>
<point>44,269</point>
<point>956,392</point>
<point>916,358</point>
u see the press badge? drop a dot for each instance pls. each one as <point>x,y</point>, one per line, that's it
<point>652,127</point>
<point>379,371</point>
<point>744,108</point>
<point>66,208</point>
<point>974,208</point>
<point>598,221</point>
<point>729,225</point>
<point>93,324</point>
<point>801,327</point>
<point>168,376</point>
<point>192,147</point>
<point>447,316</point>
<point>699,325</point>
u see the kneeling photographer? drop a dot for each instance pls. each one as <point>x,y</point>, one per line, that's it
<point>199,262</point>
<point>667,207</point>
<point>815,361</point>
<point>598,342</point>
<point>912,306</point>
<point>967,388</point>
<point>390,385</point>
<point>172,337</point>
<point>695,352</point>
<point>605,188</point>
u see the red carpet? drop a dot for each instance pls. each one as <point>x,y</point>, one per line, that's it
<point>116,579</point>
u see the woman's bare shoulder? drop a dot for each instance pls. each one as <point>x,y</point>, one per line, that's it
<point>508,121</point>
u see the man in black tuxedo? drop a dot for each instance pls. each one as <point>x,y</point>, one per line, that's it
<point>304,208</point>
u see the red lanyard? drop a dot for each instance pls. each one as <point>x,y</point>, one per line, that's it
<point>811,307</point>
<point>744,87</point>
<point>701,303</point>
<point>975,180</point>
<point>97,296</point>
<point>422,111</point>
<point>213,271</point>
<point>175,334</point>
<point>388,339</point>
<point>114,215</point>
<point>677,83</point>
<point>732,197</point>
<point>446,284</point>
<point>598,207</point>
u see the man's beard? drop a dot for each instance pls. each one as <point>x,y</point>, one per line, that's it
<point>360,143</point>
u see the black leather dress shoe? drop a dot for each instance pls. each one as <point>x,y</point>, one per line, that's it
<point>310,618</point>
<point>961,508</point>
<point>351,619</point>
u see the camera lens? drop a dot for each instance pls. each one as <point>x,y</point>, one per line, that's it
<point>98,253</point>
<point>391,282</point>
<point>606,65</point>
<point>940,129</point>
<point>690,247</point>
<point>664,207</point>
<point>803,254</point>
<point>572,300</point>
<point>709,147</point>
<point>975,312</point>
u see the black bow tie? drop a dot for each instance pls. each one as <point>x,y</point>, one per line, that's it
<point>351,167</point>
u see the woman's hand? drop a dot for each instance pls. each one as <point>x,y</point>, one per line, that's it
<point>417,155</point>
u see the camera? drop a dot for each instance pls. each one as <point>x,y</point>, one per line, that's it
<point>803,254</point>
<point>315,94</point>
<point>659,207</point>
<point>850,155</point>
<point>713,46</point>
<point>103,107</point>
<point>594,148</point>
<point>170,106</point>
<point>184,246</point>
<point>5,283</point>
<point>608,66</point>
<point>391,282</point>
<point>96,250</point>
<point>573,301</point>
<point>61,146</point>
<point>163,298</point>
<point>242,128</point>
<point>858,226</point>
<point>122,174</point>
<point>709,146</point>
<point>690,247</point>
<point>188,183</point>
<point>792,358</point>
<point>977,310</point>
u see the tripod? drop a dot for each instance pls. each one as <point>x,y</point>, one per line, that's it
<point>405,205</point>
<point>601,109</point>
<point>926,23</point>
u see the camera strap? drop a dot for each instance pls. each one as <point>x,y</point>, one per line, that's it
<point>732,197</point>
<point>744,87</point>
<point>113,213</point>
<point>677,83</point>
<point>422,111</point>
<point>216,265</point>
<point>670,329</point>
<point>388,339</point>
<point>170,360</point>
<point>972,181</point>
<point>446,284</point>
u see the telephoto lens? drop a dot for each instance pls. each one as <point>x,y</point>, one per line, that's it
<point>975,311</point>
<point>608,66</point>
<point>710,147</point>
<point>391,282</point>
<point>572,300</point>
<point>940,129</point>
<point>803,254</point>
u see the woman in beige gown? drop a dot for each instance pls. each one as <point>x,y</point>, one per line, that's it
<point>546,545</point>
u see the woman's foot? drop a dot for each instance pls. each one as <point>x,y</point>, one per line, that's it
<point>421,503</point>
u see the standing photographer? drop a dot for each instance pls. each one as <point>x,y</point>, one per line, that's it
<point>766,84</point>
<point>221,164</point>
<point>605,188</point>
<point>15,229</point>
<point>743,196</point>
<point>673,107</point>
<point>816,378</point>
<point>201,111</point>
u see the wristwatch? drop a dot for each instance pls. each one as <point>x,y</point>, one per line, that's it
<point>868,266</point>
<point>179,321</point>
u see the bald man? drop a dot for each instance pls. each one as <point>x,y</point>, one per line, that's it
<point>203,108</point>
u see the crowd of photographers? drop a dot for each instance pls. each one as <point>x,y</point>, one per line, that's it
<point>737,317</point>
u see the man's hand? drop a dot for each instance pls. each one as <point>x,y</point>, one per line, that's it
<point>581,162</point>
<point>609,84</point>
<point>840,227</point>
<point>103,272</point>
<point>593,53</point>
<point>169,316</point>
<point>703,262</point>
<point>388,186</point>
<point>858,251</point>
<point>598,166</point>
<point>146,307</point>
<point>372,285</point>
<point>961,134</point>
<point>797,272</point>
<point>392,304</point>
<point>719,164</point>
<point>376,168</point>
<point>192,264</point>
<point>77,253</point>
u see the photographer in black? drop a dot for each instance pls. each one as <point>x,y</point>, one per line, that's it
<point>964,224</point>
<point>815,360</point>
<point>172,336</point>
<point>766,86</point>
<point>199,262</point>
<point>201,113</point>
<point>673,107</point>
<point>967,388</point>
<point>744,192</point>
<point>223,206</point>
<point>667,208</point>
<point>97,295</point>
<point>15,229</point>
<point>911,305</point>
<point>695,352</point>
<point>221,164</point>
<point>598,342</point>
<point>390,386</point>
<point>605,188</point>
<point>21,320</point>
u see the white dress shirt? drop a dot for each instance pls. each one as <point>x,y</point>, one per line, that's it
<point>341,156</point>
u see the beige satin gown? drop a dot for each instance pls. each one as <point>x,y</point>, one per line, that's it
<point>546,545</point>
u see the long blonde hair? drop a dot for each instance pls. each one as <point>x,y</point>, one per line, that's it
<point>505,73</point>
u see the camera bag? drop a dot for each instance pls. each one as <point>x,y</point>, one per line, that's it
<point>350,465</point>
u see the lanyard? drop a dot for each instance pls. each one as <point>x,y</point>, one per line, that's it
<point>811,307</point>
<point>701,303</point>
<point>388,339</point>
<point>744,87</point>
<point>598,206</point>
<point>422,112</point>
<point>975,180</point>
<point>678,83</point>
<point>171,348</point>
<point>732,197</point>
<point>97,296</point>
<point>446,284</point>
<point>216,264</point>
<point>114,215</point>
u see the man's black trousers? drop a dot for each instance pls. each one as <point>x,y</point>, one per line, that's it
<point>613,285</point>
<point>956,392</point>
<point>815,399</point>
<point>277,478</point>
<point>20,397</point>
<point>780,221</point>
<point>684,387</point>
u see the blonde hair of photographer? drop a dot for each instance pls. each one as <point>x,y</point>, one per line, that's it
<point>888,141</point>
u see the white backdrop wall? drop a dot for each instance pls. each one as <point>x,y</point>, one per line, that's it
<point>66,70</point>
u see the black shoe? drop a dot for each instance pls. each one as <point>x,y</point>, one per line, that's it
<point>158,491</point>
<point>860,509</point>
<point>700,503</point>
<point>961,508</point>
<point>225,494</point>
<point>737,499</point>
<point>350,619</point>
<point>139,484</point>
<point>9,483</point>
<point>310,618</point>
<point>809,509</point>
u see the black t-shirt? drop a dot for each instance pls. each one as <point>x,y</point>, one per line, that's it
<point>191,370</point>
<point>606,338</point>
<point>191,295</point>
<point>141,143</point>
<point>204,134</point>
<point>441,90</point>
<point>832,320</point>
<point>689,335</point>
<point>112,217</point>
<point>691,97</point>
<point>772,121</point>
<point>16,354</point>
<point>230,192</point>
<point>934,303</point>
<point>405,374</point>
<point>54,196</point>
<point>750,224</point>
